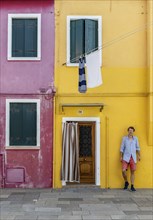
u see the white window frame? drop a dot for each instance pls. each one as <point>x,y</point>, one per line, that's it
<point>7,133</point>
<point>24,16</point>
<point>99,19</point>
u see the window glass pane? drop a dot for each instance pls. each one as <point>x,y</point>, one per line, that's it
<point>23,124</point>
<point>85,141</point>
<point>24,37</point>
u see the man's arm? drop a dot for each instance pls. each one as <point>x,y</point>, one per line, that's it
<point>122,149</point>
<point>138,150</point>
<point>138,155</point>
<point>121,156</point>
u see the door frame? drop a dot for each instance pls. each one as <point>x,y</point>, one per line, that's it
<point>97,142</point>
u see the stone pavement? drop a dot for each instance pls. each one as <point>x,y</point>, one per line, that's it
<point>75,203</point>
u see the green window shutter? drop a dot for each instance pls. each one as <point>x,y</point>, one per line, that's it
<point>83,37</point>
<point>76,39</point>
<point>91,35</point>
<point>23,122</point>
<point>30,37</point>
<point>24,37</point>
<point>18,37</point>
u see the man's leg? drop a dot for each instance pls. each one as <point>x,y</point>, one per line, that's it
<point>132,180</point>
<point>132,168</point>
<point>124,175</point>
<point>125,179</point>
<point>124,169</point>
<point>132,177</point>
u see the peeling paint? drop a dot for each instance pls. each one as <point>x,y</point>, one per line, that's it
<point>40,158</point>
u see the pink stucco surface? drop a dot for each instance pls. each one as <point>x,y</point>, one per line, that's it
<point>27,76</point>
<point>23,80</point>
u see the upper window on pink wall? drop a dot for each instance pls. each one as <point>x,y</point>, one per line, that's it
<point>24,36</point>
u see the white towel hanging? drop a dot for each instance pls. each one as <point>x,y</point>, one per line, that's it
<point>94,77</point>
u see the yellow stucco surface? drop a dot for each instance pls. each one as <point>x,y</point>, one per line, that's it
<point>127,89</point>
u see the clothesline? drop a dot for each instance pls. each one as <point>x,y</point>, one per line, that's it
<point>109,43</point>
<point>84,54</point>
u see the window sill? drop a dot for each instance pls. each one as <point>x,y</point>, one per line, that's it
<point>24,58</point>
<point>22,148</point>
<point>72,64</point>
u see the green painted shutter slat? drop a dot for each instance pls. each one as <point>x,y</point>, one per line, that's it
<point>18,37</point>
<point>72,40</point>
<point>76,39</point>
<point>91,35</point>
<point>16,124</point>
<point>29,124</point>
<point>30,37</point>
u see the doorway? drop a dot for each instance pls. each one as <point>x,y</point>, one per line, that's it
<point>88,163</point>
<point>86,132</point>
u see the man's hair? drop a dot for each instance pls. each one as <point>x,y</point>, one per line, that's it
<point>131,127</point>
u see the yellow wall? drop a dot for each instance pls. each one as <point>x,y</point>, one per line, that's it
<point>150,69</point>
<point>127,84</point>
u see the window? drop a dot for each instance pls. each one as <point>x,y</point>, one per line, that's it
<point>22,123</point>
<point>24,36</point>
<point>83,36</point>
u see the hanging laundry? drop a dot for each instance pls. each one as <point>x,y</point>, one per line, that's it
<point>82,76</point>
<point>94,77</point>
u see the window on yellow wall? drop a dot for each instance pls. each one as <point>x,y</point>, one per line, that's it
<point>83,36</point>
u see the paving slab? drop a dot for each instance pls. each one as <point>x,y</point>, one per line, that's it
<point>102,217</point>
<point>70,217</point>
<point>145,217</point>
<point>47,217</point>
<point>26,217</point>
<point>123,217</point>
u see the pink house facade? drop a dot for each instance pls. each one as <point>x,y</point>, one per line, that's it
<point>26,93</point>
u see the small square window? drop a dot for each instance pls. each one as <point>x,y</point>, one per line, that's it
<point>83,36</point>
<point>23,123</point>
<point>24,36</point>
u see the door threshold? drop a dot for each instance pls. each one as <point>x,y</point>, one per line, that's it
<point>80,185</point>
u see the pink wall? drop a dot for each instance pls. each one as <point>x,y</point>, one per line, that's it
<point>23,79</point>
<point>17,76</point>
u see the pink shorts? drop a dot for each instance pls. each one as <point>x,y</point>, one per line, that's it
<point>126,164</point>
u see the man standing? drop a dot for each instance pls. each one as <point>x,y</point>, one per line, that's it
<point>129,149</point>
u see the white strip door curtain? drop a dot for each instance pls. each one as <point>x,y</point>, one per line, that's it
<point>70,171</point>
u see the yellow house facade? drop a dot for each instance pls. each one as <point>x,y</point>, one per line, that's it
<point>124,39</point>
